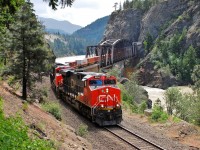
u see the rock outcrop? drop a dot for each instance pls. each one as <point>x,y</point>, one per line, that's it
<point>124,24</point>
<point>167,19</point>
<point>170,16</point>
<point>159,16</point>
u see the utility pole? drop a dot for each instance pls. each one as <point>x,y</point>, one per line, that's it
<point>115,6</point>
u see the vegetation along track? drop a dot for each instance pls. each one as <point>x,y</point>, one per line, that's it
<point>133,139</point>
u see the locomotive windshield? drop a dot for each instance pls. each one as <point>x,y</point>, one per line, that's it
<point>109,81</point>
<point>95,82</point>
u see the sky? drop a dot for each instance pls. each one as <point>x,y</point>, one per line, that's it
<point>82,12</point>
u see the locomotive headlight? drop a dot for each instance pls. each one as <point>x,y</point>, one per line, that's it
<point>118,105</point>
<point>106,90</point>
<point>102,106</point>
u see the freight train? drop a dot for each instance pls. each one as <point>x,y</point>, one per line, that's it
<point>112,51</point>
<point>94,95</point>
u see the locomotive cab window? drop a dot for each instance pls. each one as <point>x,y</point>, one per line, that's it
<point>109,81</point>
<point>95,82</point>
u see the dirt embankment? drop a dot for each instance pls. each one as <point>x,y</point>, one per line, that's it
<point>42,123</point>
<point>170,135</point>
<point>182,131</point>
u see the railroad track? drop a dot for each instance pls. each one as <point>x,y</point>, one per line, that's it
<point>133,139</point>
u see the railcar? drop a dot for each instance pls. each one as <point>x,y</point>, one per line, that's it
<point>94,95</point>
<point>112,51</point>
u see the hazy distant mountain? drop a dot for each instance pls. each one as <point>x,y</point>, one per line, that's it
<point>64,27</point>
<point>76,43</point>
<point>93,32</point>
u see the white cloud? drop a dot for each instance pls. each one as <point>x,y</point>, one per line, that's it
<point>85,4</point>
<point>82,12</point>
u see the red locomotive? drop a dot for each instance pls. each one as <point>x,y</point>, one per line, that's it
<point>95,95</point>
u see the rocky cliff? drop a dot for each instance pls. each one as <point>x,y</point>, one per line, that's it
<point>165,20</point>
<point>170,16</point>
<point>124,24</point>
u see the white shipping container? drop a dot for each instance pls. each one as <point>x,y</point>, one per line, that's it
<point>81,62</point>
<point>69,59</point>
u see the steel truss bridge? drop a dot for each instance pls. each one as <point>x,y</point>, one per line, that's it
<point>113,51</point>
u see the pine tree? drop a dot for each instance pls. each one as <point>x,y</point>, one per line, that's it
<point>196,77</point>
<point>54,3</point>
<point>148,42</point>
<point>126,4</point>
<point>29,54</point>
<point>147,5</point>
<point>7,11</point>
<point>188,63</point>
<point>120,6</point>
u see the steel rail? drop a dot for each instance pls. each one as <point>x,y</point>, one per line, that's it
<point>122,138</point>
<point>140,137</point>
<point>135,135</point>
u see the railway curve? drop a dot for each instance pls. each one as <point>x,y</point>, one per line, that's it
<point>133,139</point>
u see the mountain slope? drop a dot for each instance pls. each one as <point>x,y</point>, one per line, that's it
<point>93,32</point>
<point>170,33</point>
<point>53,26</point>
<point>75,44</point>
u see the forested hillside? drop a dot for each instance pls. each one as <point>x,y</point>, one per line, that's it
<point>75,44</point>
<point>24,55</point>
<point>24,52</point>
<point>66,45</point>
<point>93,32</point>
<point>170,33</point>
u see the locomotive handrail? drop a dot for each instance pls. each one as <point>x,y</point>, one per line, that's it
<point>95,105</point>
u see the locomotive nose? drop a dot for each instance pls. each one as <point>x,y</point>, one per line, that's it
<point>108,98</point>
<point>106,90</point>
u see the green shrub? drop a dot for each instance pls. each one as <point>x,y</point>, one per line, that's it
<point>14,135</point>
<point>142,107</point>
<point>2,68</point>
<point>11,80</point>
<point>184,106</point>
<point>17,86</point>
<point>172,96</point>
<point>132,94</point>
<point>165,71</point>
<point>196,77</point>
<point>176,119</point>
<point>125,105</point>
<point>195,108</point>
<point>180,18</point>
<point>115,72</point>
<point>54,109</point>
<point>44,92</point>
<point>82,130</point>
<point>164,117</point>
<point>1,106</point>
<point>134,108</point>
<point>25,106</point>
<point>158,114</point>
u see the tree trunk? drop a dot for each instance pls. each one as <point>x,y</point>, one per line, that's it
<point>24,92</point>
<point>24,80</point>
